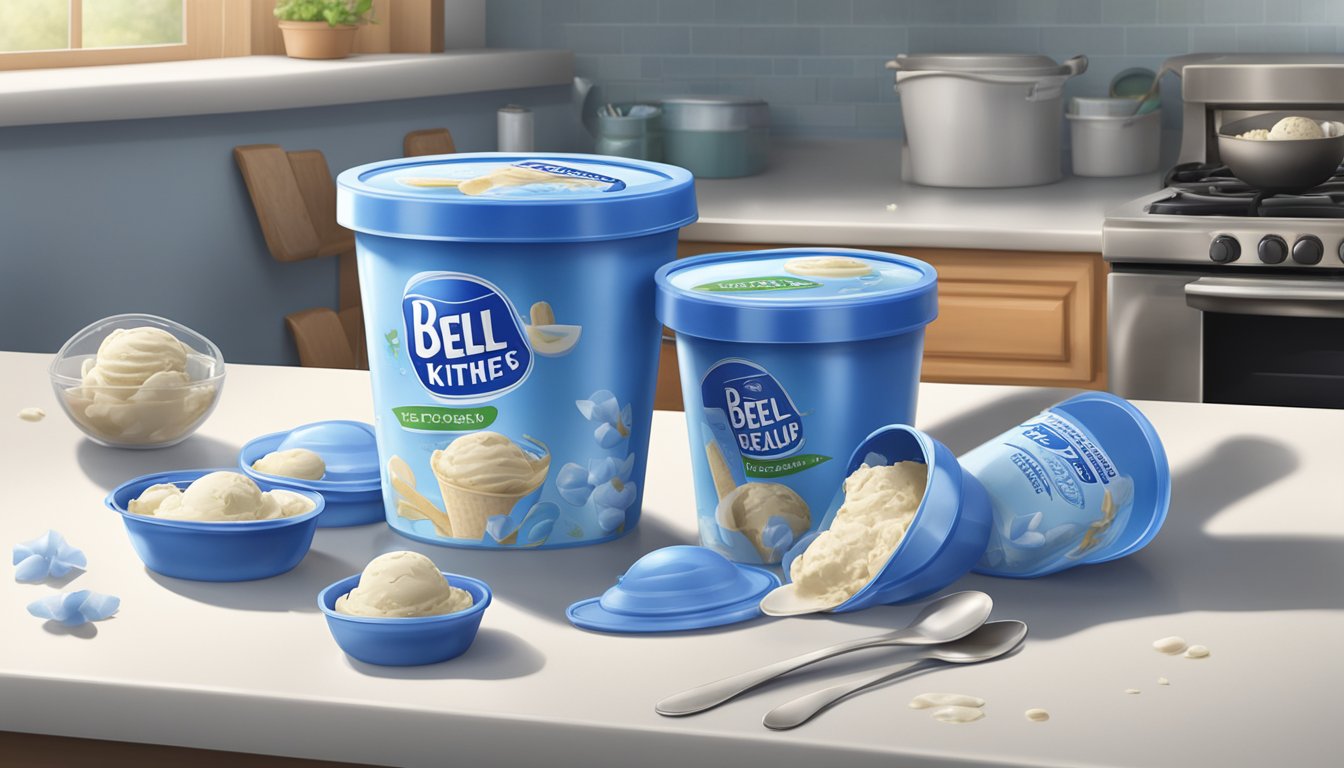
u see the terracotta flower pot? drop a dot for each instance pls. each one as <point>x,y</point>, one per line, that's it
<point>318,39</point>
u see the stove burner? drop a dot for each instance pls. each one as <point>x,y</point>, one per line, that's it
<point>1202,189</point>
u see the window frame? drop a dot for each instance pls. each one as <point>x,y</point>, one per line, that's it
<point>210,27</point>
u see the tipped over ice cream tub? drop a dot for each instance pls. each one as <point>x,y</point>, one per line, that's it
<point>788,359</point>
<point>508,306</point>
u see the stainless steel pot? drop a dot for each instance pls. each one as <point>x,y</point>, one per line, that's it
<point>983,120</point>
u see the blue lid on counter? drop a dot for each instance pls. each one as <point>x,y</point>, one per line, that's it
<point>501,197</point>
<point>794,295</point>
<point>677,588</point>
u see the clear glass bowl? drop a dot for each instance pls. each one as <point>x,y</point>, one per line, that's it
<point>155,414</point>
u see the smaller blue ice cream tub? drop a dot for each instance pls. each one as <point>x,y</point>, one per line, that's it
<point>789,358</point>
<point>350,480</point>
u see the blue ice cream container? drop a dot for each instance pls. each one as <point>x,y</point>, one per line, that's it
<point>1085,481</point>
<point>789,358</point>
<point>513,350</point>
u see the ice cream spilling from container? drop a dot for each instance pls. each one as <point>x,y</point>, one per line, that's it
<point>402,585</point>
<point>298,463</point>
<point>219,497</point>
<point>880,503</point>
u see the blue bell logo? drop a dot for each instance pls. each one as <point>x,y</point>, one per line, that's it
<point>464,337</point>
<point>761,415</point>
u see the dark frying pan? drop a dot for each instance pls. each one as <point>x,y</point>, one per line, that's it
<point>1294,165</point>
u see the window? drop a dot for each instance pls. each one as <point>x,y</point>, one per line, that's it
<point>74,33</point>
<point>70,33</point>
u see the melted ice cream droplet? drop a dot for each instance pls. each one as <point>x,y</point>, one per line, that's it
<point>1196,652</point>
<point>1169,645</point>
<point>930,700</point>
<point>1132,691</point>
<point>32,414</point>
<point>958,714</point>
<point>1037,715</point>
<point>1163,681</point>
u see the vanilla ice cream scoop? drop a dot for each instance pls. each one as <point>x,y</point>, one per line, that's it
<point>402,585</point>
<point>299,463</point>
<point>880,503</point>
<point>128,357</point>
<point>752,507</point>
<point>219,497</point>
<point>488,462</point>
<point>1296,128</point>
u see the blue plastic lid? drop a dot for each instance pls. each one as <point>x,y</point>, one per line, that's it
<point>677,588</point>
<point>515,198</point>
<point>348,448</point>
<point>795,295</point>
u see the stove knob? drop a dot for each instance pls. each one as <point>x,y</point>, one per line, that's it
<point>1272,249</point>
<point>1308,250</point>
<point>1225,248</point>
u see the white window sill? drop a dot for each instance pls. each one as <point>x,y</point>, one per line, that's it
<point>255,83</point>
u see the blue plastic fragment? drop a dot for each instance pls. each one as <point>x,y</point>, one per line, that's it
<point>74,609</point>
<point>47,556</point>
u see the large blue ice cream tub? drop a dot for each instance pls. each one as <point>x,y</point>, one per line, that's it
<point>512,344</point>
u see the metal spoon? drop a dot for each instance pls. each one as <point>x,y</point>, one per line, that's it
<point>941,621</point>
<point>988,642</point>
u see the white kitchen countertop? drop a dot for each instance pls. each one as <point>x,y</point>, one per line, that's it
<point>836,192</point>
<point>1250,564</point>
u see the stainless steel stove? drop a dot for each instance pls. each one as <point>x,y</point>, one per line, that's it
<point>1220,292</point>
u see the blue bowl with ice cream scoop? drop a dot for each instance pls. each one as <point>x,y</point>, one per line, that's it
<point>941,544</point>
<point>214,551</point>
<point>352,485</point>
<point>405,642</point>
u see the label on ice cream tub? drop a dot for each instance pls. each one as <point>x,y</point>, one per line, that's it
<point>1057,496</point>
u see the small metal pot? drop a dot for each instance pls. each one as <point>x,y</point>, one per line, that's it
<point>717,137</point>
<point>1292,165</point>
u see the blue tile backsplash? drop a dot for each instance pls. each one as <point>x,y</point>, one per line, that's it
<point>819,62</point>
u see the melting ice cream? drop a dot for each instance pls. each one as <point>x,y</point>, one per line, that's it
<point>219,497</point>
<point>402,585</point>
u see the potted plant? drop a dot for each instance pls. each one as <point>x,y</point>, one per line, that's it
<point>321,29</point>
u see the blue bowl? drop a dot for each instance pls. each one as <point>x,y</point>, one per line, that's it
<point>229,551</point>
<point>947,535</point>
<point>405,642</point>
<point>352,486</point>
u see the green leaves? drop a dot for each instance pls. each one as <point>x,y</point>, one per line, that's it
<point>334,12</point>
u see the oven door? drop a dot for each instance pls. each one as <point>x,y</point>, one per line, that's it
<point>1271,341</point>
<point>1246,340</point>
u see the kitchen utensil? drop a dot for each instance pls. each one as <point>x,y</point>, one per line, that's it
<point>943,542</point>
<point>676,588</point>
<point>405,642</point>
<point>983,120</point>
<point>1140,86</point>
<point>717,137</point>
<point>990,641</point>
<point>630,130</point>
<point>945,619</point>
<point>214,551</point>
<point>1115,146</point>
<point>1291,165</point>
<point>352,485</point>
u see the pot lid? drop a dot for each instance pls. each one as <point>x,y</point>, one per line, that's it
<point>984,63</point>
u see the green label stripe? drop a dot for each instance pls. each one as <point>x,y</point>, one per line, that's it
<point>785,466</point>
<point>745,284</point>
<point>433,418</point>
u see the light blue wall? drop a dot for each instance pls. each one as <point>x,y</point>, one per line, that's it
<point>152,215</point>
<point>819,62</point>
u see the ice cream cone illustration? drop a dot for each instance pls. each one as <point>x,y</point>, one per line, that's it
<point>770,515</point>
<point>485,474</point>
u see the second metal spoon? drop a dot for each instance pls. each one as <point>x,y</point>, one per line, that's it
<point>942,620</point>
<point>988,642</point>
